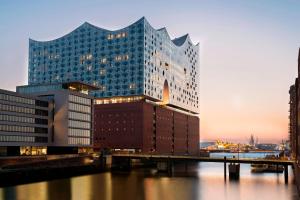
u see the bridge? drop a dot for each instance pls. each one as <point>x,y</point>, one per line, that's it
<point>166,161</point>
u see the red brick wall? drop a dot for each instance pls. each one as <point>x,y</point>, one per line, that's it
<point>118,126</point>
<point>148,128</point>
<point>141,125</point>
<point>193,135</point>
<point>164,130</point>
<point>180,133</point>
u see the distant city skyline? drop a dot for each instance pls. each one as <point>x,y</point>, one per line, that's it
<point>248,52</point>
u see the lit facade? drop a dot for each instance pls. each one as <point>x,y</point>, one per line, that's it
<point>137,60</point>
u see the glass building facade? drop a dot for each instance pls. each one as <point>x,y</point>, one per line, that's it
<point>137,60</point>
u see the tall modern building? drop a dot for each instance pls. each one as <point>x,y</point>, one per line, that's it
<point>146,87</point>
<point>135,62</point>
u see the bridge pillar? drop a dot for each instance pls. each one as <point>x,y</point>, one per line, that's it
<point>234,171</point>
<point>121,163</point>
<point>286,174</point>
<point>165,166</point>
<point>225,168</point>
<point>106,161</point>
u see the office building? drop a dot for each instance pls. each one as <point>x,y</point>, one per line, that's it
<point>25,124</point>
<point>73,115</point>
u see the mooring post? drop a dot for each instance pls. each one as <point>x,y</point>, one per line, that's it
<point>170,167</point>
<point>225,168</point>
<point>286,174</point>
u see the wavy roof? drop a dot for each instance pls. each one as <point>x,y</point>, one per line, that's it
<point>177,41</point>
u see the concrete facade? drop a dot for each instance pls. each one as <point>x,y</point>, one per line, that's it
<point>73,117</point>
<point>25,121</point>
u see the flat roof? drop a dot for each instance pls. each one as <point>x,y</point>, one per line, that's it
<point>80,85</point>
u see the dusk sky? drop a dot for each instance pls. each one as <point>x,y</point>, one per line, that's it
<point>248,56</point>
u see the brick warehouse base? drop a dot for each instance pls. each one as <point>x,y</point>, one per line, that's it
<point>145,127</point>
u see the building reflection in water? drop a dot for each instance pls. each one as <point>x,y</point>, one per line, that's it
<point>171,188</point>
<point>203,181</point>
<point>8,193</point>
<point>59,189</point>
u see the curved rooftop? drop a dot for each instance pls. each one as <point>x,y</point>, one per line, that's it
<point>176,41</point>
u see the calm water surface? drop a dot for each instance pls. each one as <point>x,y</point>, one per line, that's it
<point>204,181</point>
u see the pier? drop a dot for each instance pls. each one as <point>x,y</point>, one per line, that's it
<point>165,162</point>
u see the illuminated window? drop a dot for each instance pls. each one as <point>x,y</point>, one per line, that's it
<point>103,88</point>
<point>89,67</point>
<point>110,36</point>
<point>95,83</point>
<point>103,60</point>
<point>83,58</point>
<point>132,86</point>
<point>118,58</point>
<point>89,56</point>
<point>119,35</point>
<point>122,57</point>
<point>102,71</point>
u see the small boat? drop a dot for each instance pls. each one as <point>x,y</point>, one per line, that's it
<point>265,168</point>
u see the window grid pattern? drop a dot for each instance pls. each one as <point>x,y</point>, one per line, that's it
<point>111,60</point>
<point>16,138</point>
<point>23,129</point>
<point>79,108</point>
<point>13,118</point>
<point>80,100</point>
<point>19,138</point>
<point>18,109</point>
<point>79,116</point>
<point>79,141</point>
<point>12,98</point>
<point>79,132</point>
<point>78,124</point>
<point>133,61</point>
<point>175,62</point>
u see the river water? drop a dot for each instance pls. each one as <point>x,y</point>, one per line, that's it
<point>203,181</point>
